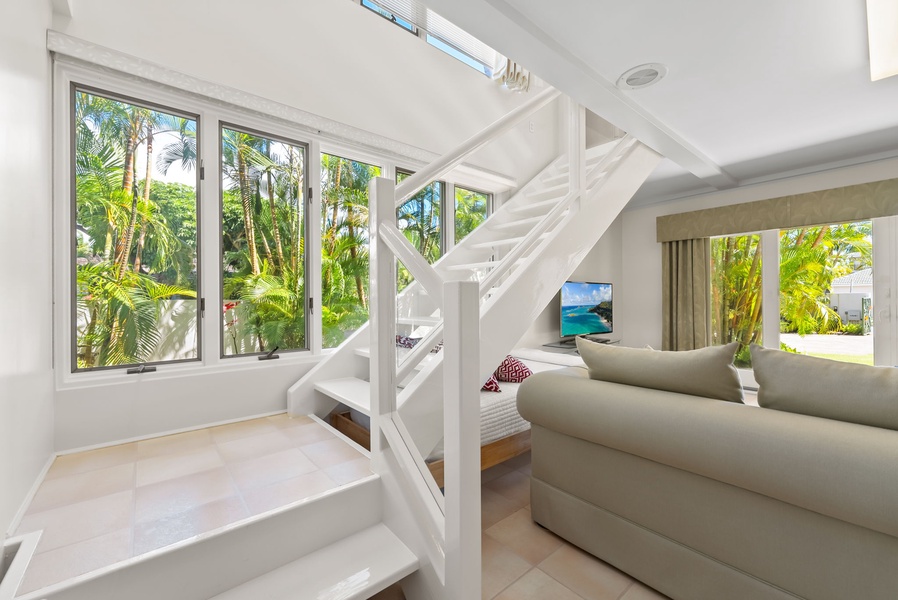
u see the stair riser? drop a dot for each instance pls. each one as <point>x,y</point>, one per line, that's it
<point>200,569</point>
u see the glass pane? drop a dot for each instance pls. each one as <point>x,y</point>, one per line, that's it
<point>471,209</point>
<point>826,291</point>
<point>263,254</point>
<point>344,246</point>
<point>736,293</point>
<point>419,218</point>
<point>135,234</point>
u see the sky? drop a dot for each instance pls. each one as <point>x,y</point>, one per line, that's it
<point>579,294</point>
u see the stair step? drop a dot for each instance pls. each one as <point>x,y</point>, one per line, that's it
<point>516,224</point>
<point>354,568</point>
<point>542,205</point>
<point>511,241</point>
<point>418,320</point>
<point>400,354</point>
<point>351,391</point>
<point>547,193</point>
<point>489,264</point>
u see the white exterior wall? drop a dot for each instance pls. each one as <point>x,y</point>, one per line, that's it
<point>637,301</point>
<point>26,378</point>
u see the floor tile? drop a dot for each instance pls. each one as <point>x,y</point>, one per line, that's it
<point>82,521</point>
<point>70,561</point>
<point>494,508</point>
<point>514,486</point>
<point>528,540</point>
<point>536,585</point>
<point>241,429</point>
<point>79,487</point>
<point>493,472</point>
<point>501,567</point>
<point>150,535</point>
<point>287,492</point>
<point>639,591</point>
<point>284,420</point>
<point>254,446</point>
<point>330,452</point>
<point>585,574</point>
<point>308,433</point>
<point>159,500</point>
<point>265,470</point>
<point>350,471</point>
<point>81,462</point>
<point>172,444</point>
<point>171,466</point>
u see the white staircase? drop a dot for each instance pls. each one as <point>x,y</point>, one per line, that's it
<point>489,288</point>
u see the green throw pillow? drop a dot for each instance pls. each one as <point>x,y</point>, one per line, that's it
<point>707,372</point>
<point>826,388</point>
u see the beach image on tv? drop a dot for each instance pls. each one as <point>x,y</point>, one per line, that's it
<point>585,308</point>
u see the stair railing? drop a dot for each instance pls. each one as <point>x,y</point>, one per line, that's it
<point>451,522</point>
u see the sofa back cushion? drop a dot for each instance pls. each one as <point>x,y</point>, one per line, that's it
<point>826,388</point>
<point>707,372</point>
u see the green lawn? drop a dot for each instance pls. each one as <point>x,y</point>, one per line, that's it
<point>862,359</point>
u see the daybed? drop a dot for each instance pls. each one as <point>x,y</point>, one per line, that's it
<point>504,434</point>
<point>702,498</point>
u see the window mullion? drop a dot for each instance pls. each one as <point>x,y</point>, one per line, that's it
<point>210,237</point>
<point>314,227</point>
<point>770,288</point>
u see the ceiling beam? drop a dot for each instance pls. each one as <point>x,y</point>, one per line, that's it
<point>506,29</point>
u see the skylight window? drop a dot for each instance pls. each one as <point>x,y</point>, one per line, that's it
<point>437,31</point>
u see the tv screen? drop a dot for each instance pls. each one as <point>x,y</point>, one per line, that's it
<point>585,308</point>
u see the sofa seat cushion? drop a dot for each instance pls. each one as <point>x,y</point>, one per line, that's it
<point>831,467</point>
<point>707,372</point>
<point>826,388</point>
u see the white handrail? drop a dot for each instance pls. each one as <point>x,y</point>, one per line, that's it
<point>418,181</point>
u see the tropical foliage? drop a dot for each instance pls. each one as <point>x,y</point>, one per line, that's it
<point>419,218</point>
<point>344,246</point>
<point>263,258</point>
<point>810,259</point>
<point>130,265</point>
<point>471,210</point>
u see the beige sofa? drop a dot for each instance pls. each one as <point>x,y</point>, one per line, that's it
<point>707,499</point>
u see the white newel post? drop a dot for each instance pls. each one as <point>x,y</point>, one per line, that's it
<point>382,310</point>
<point>461,410</point>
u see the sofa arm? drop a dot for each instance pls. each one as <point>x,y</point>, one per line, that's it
<point>842,470</point>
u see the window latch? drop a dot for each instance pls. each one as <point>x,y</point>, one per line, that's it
<point>271,355</point>
<point>140,369</point>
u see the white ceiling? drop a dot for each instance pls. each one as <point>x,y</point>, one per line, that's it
<point>755,91</point>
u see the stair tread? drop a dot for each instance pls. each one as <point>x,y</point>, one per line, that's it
<point>428,320</point>
<point>517,223</point>
<point>351,391</point>
<point>532,206</point>
<point>353,568</point>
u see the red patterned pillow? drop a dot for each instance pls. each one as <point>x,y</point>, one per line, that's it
<point>512,370</point>
<point>491,385</point>
<point>403,341</point>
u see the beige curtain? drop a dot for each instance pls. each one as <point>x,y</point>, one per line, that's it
<point>686,294</point>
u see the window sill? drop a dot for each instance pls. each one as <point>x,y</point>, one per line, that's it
<point>88,379</point>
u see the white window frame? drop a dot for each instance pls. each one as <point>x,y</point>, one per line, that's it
<point>210,112</point>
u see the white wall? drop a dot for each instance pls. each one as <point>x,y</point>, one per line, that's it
<point>638,300</point>
<point>602,264</point>
<point>26,380</point>
<point>332,58</point>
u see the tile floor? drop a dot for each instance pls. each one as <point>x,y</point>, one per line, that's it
<point>104,506</point>
<point>523,561</point>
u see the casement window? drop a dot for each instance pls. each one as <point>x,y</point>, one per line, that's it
<point>199,234</point>
<point>263,223</point>
<point>134,232</point>
<point>471,209</point>
<point>344,246</point>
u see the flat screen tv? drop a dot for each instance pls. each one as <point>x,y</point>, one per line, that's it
<point>585,308</point>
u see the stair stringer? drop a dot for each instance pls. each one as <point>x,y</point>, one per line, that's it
<point>506,316</point>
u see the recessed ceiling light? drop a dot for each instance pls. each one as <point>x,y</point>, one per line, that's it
<point>641,76</point>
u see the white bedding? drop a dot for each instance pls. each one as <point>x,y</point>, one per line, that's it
<point>499,416</point>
